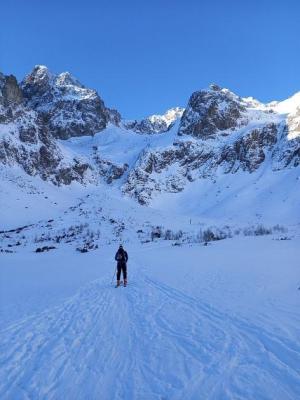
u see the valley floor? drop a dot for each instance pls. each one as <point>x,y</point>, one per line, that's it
<point>195,322</point>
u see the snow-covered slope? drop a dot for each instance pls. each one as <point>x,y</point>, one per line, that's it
<point>219,154</point>
<point>207,204</point>
<point>218,134</point>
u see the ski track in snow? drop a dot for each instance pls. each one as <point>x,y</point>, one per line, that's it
<point>147,341</point>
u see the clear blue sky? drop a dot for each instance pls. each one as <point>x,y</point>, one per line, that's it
<point>146,56</point>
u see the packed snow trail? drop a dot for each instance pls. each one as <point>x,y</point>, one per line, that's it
<point>146,341</point>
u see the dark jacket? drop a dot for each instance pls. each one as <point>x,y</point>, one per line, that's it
<point>121,256</point>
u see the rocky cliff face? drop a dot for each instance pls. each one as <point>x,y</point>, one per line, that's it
<point>68,108</point>
<point>25,139</point>
<point>211,111</point>
<point>218,133</point>
<point>10,91</point>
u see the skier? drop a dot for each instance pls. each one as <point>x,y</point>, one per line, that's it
<point>121,257</point>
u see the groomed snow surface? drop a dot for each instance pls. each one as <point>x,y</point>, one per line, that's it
<point>195,322</point>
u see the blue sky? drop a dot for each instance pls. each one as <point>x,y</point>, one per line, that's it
<point>146,56</point>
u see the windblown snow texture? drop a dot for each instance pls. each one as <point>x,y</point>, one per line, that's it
<point>202,324</point>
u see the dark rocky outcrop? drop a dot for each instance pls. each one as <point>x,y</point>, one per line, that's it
<point>211,111</point>
<point>249,151</point>
<point>25,139</point>
<point>107,170</point>
<point>10,90</point>
<point>67,107</point>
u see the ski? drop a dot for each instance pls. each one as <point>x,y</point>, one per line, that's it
<point>121,284</point>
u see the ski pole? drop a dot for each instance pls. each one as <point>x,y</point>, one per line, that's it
<point>113,277</point>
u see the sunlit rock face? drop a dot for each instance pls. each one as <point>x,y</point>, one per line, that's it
<point>53,127</point>
<point>68,108</point>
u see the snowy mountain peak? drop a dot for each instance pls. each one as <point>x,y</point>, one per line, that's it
<point>38,84</point>
<point>168,117</point>
<point>156,123</point>
<point>288,106</point>
<point>40,71</point>
<point>215,87</point>
<point>39,75</point>
<point>216,90</point>
<point>251,102</point>
<point>210,111</point>
<point>67,85</point>
<point>218,133</point>
<point>65,78</point>
<point>42,82</point>
<point>70,108</point>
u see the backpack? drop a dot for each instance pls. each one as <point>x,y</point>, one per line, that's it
<point>120,256</point>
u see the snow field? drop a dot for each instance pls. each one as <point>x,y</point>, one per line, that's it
<point>195,322</point>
